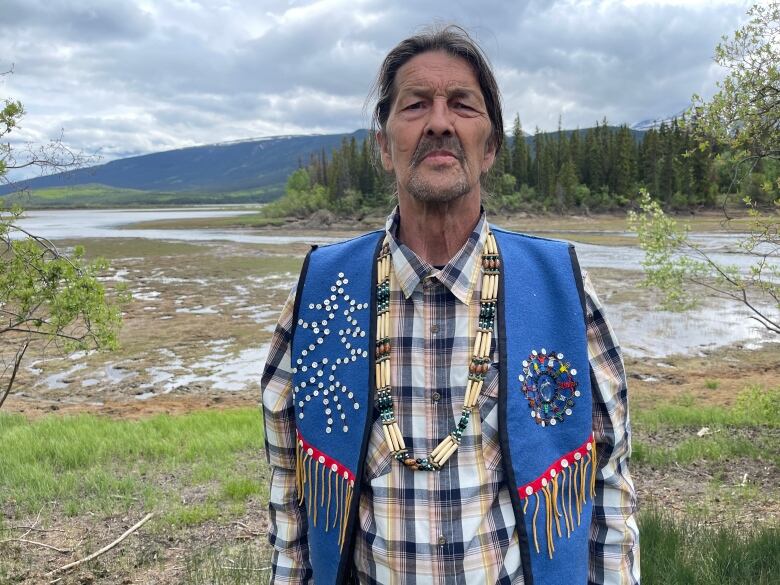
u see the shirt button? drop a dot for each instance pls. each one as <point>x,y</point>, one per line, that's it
<point>436,396</point>
<point>442,540</point>
<point>434,329</point>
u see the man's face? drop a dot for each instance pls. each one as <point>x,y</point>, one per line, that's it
<point>437,136</point>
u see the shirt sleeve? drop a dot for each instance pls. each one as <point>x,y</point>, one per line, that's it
<point>614,535</point>
<point>288,523</point>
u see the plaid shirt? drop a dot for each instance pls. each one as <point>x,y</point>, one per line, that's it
<point>457,525</point>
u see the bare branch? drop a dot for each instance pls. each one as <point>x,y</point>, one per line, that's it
<point>25,541</point>
<point>55,334</point>
<point>106,548</point>
<point>18,360</point>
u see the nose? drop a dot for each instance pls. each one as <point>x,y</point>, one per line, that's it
<point>440,119</point>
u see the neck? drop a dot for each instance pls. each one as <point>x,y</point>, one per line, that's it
<point>435,231</point>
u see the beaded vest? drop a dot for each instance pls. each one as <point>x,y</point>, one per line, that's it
<point>545,416</point>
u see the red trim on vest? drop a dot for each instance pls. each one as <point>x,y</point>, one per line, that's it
<point>324,459</point>
<point>555,469</point>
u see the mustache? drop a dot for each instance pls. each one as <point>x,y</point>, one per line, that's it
<point>430,144</point>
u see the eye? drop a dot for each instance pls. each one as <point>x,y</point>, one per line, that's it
<point>463,106</point>
<point>414,106</point>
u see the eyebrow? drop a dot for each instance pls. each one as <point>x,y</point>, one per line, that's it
<point>424,91</point>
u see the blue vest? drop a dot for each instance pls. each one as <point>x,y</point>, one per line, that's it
<point>545,416</point>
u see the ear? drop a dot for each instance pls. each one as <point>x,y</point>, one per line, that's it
<point>490,156</point>
<point>384,150</point>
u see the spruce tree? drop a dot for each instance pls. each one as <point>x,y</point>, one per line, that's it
<point>624,162</point>
<point>520,155</point>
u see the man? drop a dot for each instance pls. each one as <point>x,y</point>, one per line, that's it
<point>434,391</point>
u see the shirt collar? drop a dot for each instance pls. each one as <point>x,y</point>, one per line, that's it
<point>459,275</point>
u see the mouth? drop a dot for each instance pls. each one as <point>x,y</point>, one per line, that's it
<point>440,156</point>
<point>442,151</point>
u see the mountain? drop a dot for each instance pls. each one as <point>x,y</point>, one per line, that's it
<point>655,123</point>
<point>242,171</point>
<point>254,164</point>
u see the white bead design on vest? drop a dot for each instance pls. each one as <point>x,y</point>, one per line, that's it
<point>321,383</point>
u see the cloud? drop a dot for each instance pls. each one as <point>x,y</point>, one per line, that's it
<point>127,77</point>
<point>83,21</point>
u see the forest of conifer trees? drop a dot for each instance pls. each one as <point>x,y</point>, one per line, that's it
<point>598,169</point>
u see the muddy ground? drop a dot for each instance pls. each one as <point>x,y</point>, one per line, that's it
<point>196,335</point>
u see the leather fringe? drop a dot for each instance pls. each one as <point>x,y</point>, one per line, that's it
<point>563,494</point>
<point>322,489</point>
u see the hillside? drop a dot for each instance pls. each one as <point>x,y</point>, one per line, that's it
<point>260,165</point>
<point>253,170</point>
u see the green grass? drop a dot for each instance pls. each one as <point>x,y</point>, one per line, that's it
<point>708,448</point>
<point>234,565</point>
<point>711,384</point>
<point>185,516</point>
<point>95,195</point>
<point>241,488</point>
<point>682,552</point>
<point>755,406</point>
<point>96,463</point>
<point>81,191</point>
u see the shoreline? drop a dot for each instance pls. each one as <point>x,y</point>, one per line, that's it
<point>706,220</point>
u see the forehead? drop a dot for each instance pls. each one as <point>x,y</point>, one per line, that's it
<point>438,71</point>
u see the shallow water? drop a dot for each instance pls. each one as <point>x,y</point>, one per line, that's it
<point>108,223</point>
<point>655,333</point>
<point>630,258</point>
<point>642,330</point>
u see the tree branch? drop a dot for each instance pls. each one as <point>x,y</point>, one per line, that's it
<point>18,360</point>
<point>106,548</point>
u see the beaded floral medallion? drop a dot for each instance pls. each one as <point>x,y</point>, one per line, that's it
<point>549,386</point>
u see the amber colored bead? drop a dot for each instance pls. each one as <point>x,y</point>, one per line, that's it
<point>484,368</point>
<point>472,368</point>
<point>498,263</point>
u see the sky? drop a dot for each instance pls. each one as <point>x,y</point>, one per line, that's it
<point>118,78</point>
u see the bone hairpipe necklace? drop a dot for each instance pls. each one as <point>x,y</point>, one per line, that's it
<point>480,360</point>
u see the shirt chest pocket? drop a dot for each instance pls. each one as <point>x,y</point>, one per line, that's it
<point>486,426</point>
<point>380,458</point>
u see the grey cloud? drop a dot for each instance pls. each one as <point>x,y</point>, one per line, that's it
<point>625,63</point>
<point>120,79</point>
<point>83,21</point>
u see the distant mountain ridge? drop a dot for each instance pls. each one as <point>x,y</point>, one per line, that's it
<point>655,123</point>
<point>258,164</point>
<point>222,167</point>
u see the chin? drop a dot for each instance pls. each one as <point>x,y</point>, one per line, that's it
<point>437,191</point>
